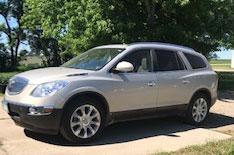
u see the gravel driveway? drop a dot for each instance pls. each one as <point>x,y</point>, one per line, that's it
<point>135,137</point>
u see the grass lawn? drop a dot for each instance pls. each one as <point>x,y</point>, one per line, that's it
<point>222,61</point>
<point>221,64</point>
<point>223,147</point>
<point>4,77</point>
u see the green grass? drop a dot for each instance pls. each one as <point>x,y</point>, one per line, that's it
<point>223,61</point>
<point>5,76</point>
<point>221,64</point>
<point>224,147</point>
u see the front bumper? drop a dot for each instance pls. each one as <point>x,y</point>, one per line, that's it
<point>48,123</point>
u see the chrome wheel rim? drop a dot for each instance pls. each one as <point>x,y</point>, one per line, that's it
<point>85,121</point>
<point>199,110</point>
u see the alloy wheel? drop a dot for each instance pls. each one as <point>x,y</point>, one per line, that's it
<point>85,121</point>
<point>199,110</point>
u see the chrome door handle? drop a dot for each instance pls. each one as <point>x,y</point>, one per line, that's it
<point>186,81</point>
<point>151,84</point>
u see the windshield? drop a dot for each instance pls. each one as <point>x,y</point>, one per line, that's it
<point>93,59</point>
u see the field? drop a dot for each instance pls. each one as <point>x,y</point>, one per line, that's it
<point>221,64</point>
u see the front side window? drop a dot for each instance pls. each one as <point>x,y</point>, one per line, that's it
<point>167,61</point>
<point>195,61</point>
<point>141,61</point>
<point>93,59</point>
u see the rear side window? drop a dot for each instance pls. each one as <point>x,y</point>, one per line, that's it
<point>167,61</point>
<point>195,61</point>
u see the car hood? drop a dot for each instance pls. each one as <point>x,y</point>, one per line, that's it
<point>43,75</point>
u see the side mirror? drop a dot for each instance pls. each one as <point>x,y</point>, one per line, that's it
<point>124,66</point>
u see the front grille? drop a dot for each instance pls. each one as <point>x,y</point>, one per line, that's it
<point>17,110</point>
<point>16,85</point>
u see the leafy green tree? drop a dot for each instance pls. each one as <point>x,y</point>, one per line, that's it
<point>75,24</point>
<point>201,25</point>
<point>12,9</point>
<point>46,47</point>
<point>4,58</point>
<point>78,25</point>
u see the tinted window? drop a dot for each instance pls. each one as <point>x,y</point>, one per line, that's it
<point>195,61</point>
<point>141,60</point>
<point>168,61</point>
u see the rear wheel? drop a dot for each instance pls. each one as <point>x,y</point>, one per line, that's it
<point>83,120</point>
<point>198,109</point>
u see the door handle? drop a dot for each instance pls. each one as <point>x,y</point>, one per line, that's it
<point>186,81</point>
<point>151,84</point>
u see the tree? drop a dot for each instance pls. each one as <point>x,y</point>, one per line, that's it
<point>214,56</point>
<point>77,25</point>
<point>46,47</point>
<point>81,24</point>
<point>12,9</point>
<point>201,25</point>
<point>4,58</point>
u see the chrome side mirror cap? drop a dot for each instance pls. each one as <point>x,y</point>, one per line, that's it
<point>124,66</point>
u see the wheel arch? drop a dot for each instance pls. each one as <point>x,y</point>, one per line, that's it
<point>204,91</point>
<point>94,95</point>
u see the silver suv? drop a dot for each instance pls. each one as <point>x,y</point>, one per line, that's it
<point>112,83</point>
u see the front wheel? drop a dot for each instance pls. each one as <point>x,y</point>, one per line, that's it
<point>83,121</point>
<point>198,109</point>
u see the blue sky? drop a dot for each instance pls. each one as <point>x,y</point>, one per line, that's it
<point>225,54</point>
<point>222,54</point>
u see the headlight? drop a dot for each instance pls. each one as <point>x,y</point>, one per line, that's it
<point>48,89</point>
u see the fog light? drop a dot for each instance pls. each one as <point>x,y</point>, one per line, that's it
<point>40,110</point>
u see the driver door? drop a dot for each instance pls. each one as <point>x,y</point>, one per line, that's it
<point>137,89</point>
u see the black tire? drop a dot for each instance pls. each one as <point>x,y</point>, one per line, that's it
<point>65,128</point>
<point>189,114</point>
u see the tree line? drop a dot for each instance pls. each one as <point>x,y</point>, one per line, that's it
<point>61,29</point>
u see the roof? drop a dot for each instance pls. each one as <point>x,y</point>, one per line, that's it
<point>113,46</point>
<point>152,44</point>
<point>161,44</point>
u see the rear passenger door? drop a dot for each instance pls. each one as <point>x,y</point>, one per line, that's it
<point>171,78</point>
